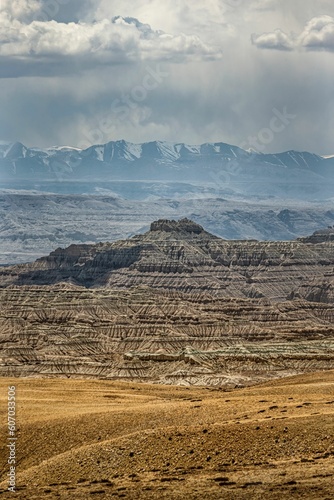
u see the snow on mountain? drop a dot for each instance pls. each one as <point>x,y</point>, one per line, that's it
<point>3,149</point>
<point>292,173</point>
<point>55,196</point>
<point>99,153</point>
<point>191,149</point>
<point>168,150</point>
<point>15,151</point>
<point>56,149</point>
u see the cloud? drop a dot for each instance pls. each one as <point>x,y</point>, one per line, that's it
<point>278,40</point>
<point>119,40</point>
<point>81,77</point>
<point>263,5</point>
<point>170,15</point>
<point>318,34</point>
<point>19,9</point>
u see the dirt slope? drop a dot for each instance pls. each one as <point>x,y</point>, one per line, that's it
<point>101,439</point>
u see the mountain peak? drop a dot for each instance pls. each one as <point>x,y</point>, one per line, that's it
<point>217,168</point>
<point>183,225</point>
<point>15,150</point>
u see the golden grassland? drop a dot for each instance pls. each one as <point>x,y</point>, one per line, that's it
<point>81,439</point>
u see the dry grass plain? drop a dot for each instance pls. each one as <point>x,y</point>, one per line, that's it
<point>81,439</point>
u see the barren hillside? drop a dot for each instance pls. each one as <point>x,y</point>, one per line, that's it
<point>176,305</point>
<point>102,439</point>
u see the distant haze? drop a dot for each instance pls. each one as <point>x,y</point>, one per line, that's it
<point>84,72</point>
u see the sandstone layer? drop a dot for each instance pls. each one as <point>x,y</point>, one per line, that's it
<point>176,305</point>
<point>182,256</point>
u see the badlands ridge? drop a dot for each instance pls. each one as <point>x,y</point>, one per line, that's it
<point>176,305</point>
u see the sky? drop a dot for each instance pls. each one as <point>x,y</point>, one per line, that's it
<point>255,73</point>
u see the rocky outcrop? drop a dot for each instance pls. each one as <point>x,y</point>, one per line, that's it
<point>322,236</point>
<point>32,225</point>
<point>175,305</point>
<point>182,226</point>
<point>180,255</point>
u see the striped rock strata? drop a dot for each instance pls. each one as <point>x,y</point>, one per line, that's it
<point>175,305</point>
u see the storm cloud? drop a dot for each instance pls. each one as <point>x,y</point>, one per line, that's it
<point>118,40</point>
<point>78,72</point>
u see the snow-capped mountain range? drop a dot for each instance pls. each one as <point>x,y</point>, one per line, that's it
<point>228,168</point>
<point>61,195</point>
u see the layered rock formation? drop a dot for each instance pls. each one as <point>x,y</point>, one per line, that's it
<point>33,224</point>
<point>182,256</point>
<point>159,335</point>
<point>175,305</point>
<point>322,236</point>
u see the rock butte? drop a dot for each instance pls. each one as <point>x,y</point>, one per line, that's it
<point>175,305</point>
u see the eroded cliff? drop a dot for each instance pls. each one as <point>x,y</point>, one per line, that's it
<point>175,305</point>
